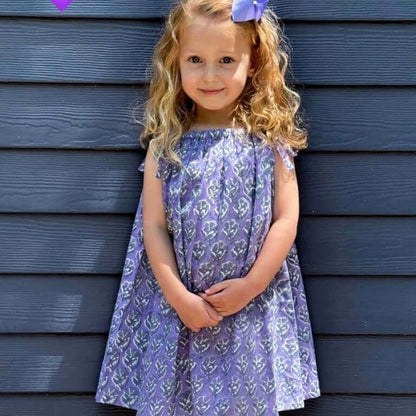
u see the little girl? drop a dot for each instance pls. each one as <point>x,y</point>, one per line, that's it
<point>211,316</point>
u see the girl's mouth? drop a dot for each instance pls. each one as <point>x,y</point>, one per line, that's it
<point>212,92</point>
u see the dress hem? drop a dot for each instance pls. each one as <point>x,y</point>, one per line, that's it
<point>295,405</point>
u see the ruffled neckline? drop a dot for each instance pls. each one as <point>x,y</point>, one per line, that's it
<point>213,131</point>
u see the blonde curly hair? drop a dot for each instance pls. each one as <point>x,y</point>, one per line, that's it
<point>267,106</point>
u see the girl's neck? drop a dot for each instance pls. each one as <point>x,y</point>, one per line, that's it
<point>203,126</point>
<point>212,119</point>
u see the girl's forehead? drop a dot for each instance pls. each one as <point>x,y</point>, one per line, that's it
<point>203,31</point>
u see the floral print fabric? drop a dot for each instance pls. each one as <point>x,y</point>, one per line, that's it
<point>258,361</point>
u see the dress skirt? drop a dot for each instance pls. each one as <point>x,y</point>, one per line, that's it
<point>258,361</point>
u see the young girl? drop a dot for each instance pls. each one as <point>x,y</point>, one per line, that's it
<point>211,316</point>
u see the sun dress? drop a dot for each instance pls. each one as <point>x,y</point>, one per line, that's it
<point>258,361</point>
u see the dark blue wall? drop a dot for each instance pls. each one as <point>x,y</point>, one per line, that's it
<point>70,187</point>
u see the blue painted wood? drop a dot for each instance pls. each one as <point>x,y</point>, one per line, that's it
<point>58,404</point>
<point>73,87</point>
<point>70,181</point>
<point>300,9</point>
<point>70,116</point>
<point>101,117</point>
<point>70,363</point>
<point>119,52</point>
<point>348,305</point>
<point>354,53</point>
<point>360,118</point>
<point>326,405</point>
<point>362,305</point>
<point>43,243</point>
<point>357,245</point>
<point>109,182</point>
<point>97,244</point>
<point>357,183</point>
<point>57,303</point>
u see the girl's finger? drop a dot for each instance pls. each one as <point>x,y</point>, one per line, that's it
<point>213,314</point>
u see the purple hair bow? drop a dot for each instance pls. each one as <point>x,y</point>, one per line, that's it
<point>244,10</point>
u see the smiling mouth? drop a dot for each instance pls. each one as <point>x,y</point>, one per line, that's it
<point>212,91</point>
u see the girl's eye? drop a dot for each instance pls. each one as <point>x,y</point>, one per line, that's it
<point>191,59</point>
<point>226,58</point>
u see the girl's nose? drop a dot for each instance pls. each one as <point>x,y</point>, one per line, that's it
<point>210,72</point>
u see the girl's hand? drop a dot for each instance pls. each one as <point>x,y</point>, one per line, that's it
<point>229,296</point>
<point>196,313</point>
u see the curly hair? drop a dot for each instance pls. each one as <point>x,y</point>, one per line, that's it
<point>267,106</point>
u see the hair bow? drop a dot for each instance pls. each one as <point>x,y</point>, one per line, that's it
<point>243,10</point>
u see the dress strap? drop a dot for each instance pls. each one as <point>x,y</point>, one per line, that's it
<point>160,168</point>
<point>285,152</point>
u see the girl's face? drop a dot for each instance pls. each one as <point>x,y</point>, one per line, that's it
<point>214,65</point>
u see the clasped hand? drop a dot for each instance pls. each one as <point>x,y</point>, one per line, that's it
<point>229,296</point>
<point>221,299</point>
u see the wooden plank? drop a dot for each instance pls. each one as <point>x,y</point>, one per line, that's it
<point>57,304</point>
<point>119,52</point>
<point>109,182</point>
<point>88,8</point>
<point>361,305</point>
<point>346,364</point>
<point>42,243</point>
<point>362,118</point>
<point>357,184</point>
<point>367,10</point>
<point>354,53</point>
<point>63,244</point>
<point>374,364</point>
<point>101,117</point>
<point>337,304</point>
<point>70,181</point>
<point>325,405</point>
<point>357,245</point>
<point>78,51</point>
<point>70,116</point>
<point>301,9</point>
<point>58,404</point>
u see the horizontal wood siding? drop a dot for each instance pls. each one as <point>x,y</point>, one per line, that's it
<point>119,51</point>
<point>331,183</point>
<point>68,304</point>
<point>69,86</point>
<point>99,117</point>
<point>367,10</point>
<point>69,363</point>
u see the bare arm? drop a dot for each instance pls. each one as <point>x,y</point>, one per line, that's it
<point>157,240</point>
<point>282,233</point>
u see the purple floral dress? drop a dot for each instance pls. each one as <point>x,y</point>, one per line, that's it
<point>258,361</point>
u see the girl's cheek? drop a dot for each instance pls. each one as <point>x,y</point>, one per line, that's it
<point>189,74</point>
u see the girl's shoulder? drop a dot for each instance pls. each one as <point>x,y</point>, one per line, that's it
<point>287,153</point>
<point>161,163</point>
